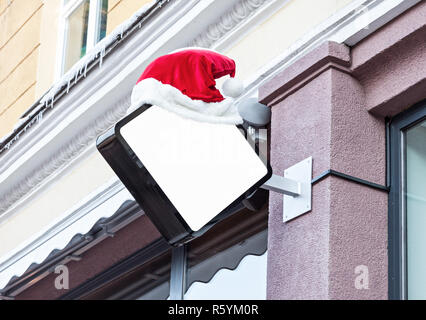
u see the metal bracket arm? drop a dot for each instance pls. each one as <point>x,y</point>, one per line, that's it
<point>296,186</point>
<point>283,185</point>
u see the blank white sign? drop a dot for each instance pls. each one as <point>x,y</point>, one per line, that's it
<point>201,167</point>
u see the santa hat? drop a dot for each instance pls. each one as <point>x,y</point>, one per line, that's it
<point>184,82</point>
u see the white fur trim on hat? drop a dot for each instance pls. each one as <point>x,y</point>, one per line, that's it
<point>154,92</point>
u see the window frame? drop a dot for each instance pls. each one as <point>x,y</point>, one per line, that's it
<point>397,232</point>
<point>92,30</point>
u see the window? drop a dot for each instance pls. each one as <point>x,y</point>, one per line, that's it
<point>238,272</point>
<point>415,199</point>
<point>227,262</point>
<point>407,205</point>
<point>83,25</point>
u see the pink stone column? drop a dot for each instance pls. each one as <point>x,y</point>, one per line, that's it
<point>318,110</point>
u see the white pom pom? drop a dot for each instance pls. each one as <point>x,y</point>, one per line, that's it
<point>232,88</point>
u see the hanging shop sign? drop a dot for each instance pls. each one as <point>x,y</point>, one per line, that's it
<point>185,174</point>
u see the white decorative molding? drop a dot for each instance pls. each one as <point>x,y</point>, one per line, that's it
<point>230,20</point>
<point>65,154</point>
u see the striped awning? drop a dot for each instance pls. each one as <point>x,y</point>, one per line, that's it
<point>58,243</point>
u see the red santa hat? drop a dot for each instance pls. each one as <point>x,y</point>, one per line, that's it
<point>184,82</point>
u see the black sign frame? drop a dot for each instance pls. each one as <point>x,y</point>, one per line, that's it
<point>149,195</point>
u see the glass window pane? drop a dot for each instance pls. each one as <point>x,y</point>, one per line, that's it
<point>76,35</point>
<point>236,273</point>
<point>103,13</point>
<point>416,210</point>
<point>229,261</point>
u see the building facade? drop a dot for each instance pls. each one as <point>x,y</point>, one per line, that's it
<point>346,83</point>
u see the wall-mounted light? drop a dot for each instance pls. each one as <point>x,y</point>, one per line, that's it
<point>254,113</point>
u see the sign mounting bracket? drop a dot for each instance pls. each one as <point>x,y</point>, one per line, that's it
<point>296,187</point>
